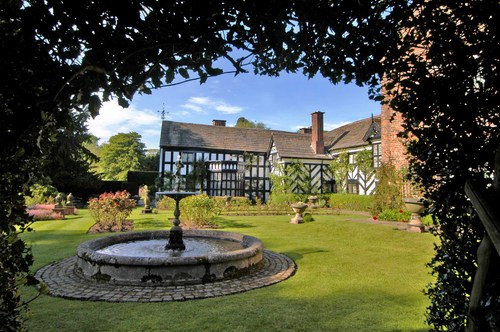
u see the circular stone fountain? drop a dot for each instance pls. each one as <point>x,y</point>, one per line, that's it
<point>120,268</point>
<point>140,258</point>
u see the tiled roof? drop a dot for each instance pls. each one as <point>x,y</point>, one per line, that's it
<point>290,145</point>
<point>351,135</point>
<point>208,137</point>
<point>294,145</point>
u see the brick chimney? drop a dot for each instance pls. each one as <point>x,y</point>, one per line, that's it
<point>219,123</point>
<point>318,144</point>
<point>307,130</point>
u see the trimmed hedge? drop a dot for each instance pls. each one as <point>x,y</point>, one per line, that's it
<point>351,202</point>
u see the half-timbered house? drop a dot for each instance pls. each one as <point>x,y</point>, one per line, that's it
<point>235,158</point>
<point>239,160</point>
<point>351,139</point>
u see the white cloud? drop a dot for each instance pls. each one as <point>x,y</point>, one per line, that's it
<point>331,126</point>
<point>193,107</point>
<point>228,109</point>
<point>204,104</point>
<point>114,119</point>
<point>201,101</point>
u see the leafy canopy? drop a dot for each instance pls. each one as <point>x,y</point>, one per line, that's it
<point>244,123</point>
<point>123,153</point>
<point>440,60</point>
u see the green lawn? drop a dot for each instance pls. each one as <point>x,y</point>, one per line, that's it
<point>351,277</point>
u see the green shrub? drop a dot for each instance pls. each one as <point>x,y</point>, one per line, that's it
<point>307,217</point>
<point>428,220</point>
<point>281,200</point>
<point>240,202</point>
<point>41,194</point>
<point>388,194</point>
<point>111,210</point>
<point>351,202</point>
<point>199,211</point>
<point>394,215</point>
<point>165,203</point>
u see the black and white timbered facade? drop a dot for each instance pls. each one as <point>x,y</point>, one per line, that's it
<point>239,160</point>
<point>235,158</point>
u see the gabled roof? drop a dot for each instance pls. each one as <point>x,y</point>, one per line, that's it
<point>296,146</point>
<point>208,137</point>
<point>354,134</point>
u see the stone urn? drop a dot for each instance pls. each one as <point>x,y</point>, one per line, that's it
<point>416,207</point>
<point>70,207</point>
<point>298,208</point>
<point>59,208</point>
<point>312,202</point>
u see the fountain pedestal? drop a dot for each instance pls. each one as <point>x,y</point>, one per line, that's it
<point>175,241</point>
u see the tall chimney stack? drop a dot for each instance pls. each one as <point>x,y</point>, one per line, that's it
<point>318,143</point>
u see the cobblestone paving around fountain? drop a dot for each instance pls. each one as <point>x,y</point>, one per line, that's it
<point>63,282</point>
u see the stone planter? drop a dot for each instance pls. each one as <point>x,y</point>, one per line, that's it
<point>416,207</point>
<point>70,209</point>
<point>312,202</point>
<point>298,208</point>
<point>60,210</point>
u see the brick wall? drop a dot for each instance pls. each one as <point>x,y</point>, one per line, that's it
<point>393,149</point>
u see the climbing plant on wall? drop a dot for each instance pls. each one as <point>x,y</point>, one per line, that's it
<point>340,168</point>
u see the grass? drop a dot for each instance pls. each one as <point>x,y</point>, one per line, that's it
<point>350,277</point>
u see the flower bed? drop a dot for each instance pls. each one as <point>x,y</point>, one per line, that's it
<point>44,212</point>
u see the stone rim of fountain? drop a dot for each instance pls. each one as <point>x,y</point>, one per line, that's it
<point>62,281</point>
<point>168,270</point>
<point>88,249</point>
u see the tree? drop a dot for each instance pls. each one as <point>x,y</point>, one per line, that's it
<point>68,165</point>
<point>150,160</point>
<point>445,86</point>
<point>244,123</point>
<point>60,57</point>
<point>123,153</point>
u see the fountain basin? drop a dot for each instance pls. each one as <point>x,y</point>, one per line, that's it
<point>172,269</point>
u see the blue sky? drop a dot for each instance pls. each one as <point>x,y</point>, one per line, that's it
<point>281,103</point>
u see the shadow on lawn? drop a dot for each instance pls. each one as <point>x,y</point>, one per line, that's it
<point>299,254</point>
<point>228,223</point>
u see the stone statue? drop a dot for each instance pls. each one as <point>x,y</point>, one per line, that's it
<point>144,194</point>
<point>178,167</point>
<point>69,199</point>
<point>59,200</point>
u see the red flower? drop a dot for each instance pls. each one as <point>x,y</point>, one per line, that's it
<point>403,220</point>
<point>375,217</point>
<point>400,211</point>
